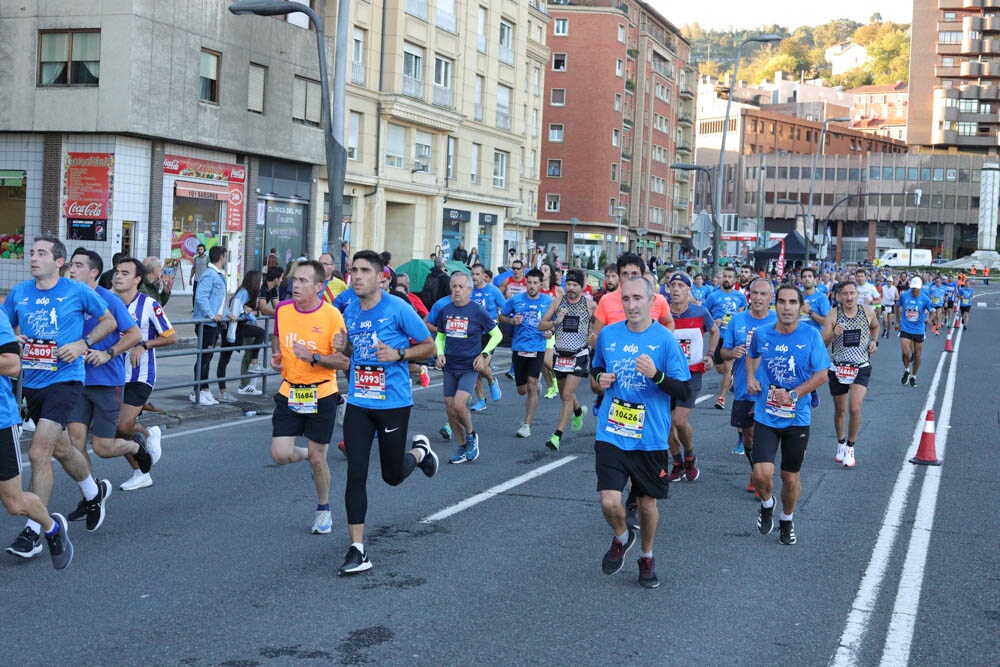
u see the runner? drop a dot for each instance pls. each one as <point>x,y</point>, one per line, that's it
<point>303,350</point>
<point>912,309</point>
<point>700,291</point>
<point>965,304</point>
<point>937,293</point>
<point>610,282</point>
<point>17,501</point>
<point>461,326</point>
<point>140,372</point>
<point>513,285</point>
<point>640,367</point>
<point>792,361</point>
<point>815,304</point>
<point>48,311</point>
<point>550,287</point>
<point>950,289</point>
<point>852,332</point>
<point>524,311</point>
<point>491,299</point>
<point>889,296</point>
<point>739,334</point>
<point>378,343</point>
<point>570,318</point>
<point>723,303</point>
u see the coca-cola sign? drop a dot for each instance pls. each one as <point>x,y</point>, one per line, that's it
<point>208,170</point>
<point>88,183</point>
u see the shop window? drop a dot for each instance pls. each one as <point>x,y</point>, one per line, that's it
<point>69,58</point>
<point>13,189</point>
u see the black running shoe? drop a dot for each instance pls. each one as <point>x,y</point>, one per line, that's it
<point>429,463</point>
<point>142,457</point>
<point>354,562</point>
<point>913,380</point>
<point>647,573</point>
<point>79,513</point>
<point>765,519</point>
<point>632,516</point>
<point>906,377</point>
<point>27,545</point>
<point>95,507</point>
<point>60,548</point>
<point>614,559</point>
<point>786,532</point>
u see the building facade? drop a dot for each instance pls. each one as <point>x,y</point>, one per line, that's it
<point>881,110</point>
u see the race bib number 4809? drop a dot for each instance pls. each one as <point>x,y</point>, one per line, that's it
<point>39,355</point>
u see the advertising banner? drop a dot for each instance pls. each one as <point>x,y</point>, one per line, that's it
<point>87,186</point>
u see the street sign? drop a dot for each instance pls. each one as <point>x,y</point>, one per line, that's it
<point>701,231</point>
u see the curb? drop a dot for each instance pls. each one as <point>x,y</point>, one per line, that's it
<point>228,412</point>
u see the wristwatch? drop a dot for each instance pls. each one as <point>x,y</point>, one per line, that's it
<point>486,355</point>
<point>794,395</point>
<point>402,353</point>
<point>315,359</point>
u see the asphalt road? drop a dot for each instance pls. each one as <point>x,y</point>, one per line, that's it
<point>214,564</point>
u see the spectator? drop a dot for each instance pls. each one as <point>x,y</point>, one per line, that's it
<point>460,254</point>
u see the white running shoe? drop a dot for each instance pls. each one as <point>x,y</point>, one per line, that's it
<point>841,452</point>
<point>524,431</point>
<point>249,390</point>
<point>153,443</point>
<point>206,398</point>
<point>322,523</point>
<point>139,480</point>
<point>256,368</point>
<point>226,397</point>
<point>28,426</point>
<point>849,461</point>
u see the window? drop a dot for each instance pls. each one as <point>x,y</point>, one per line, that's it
<point>558,97</point>
<point>395,146</point>
<point>445,14</point>
<point>423,154</point>
<point>208,71</point>
<point>255,88</point>
<point>477,107</point>
<point>532,163</point>
<point>614,173</point>
<point>560,27</point>
<point>615,136</point>
<point>551,203</point>
<point>69,58</point>
<point>481,26</point>
<point>939,174</point>
<point>449,167</point>
<point>621,33</point>
<point>949,37</point>
<point>358,57</point>
<point>353,136</point>
<point>477,149</point>
<point>500,159</point>
<point>554,169</point>
<point>504,94</point>
<point>442,81</point>
<point>536,80</point>
<point>556,132</point>
<point>558,62</point>
<point>612,204</point>
<point>306,101</point>
<point>506,43</point>
<point>413,71</point>
<point>534,122</point>
<point>619,67</point>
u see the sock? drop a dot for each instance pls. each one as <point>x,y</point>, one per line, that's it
<point>623,538</point>
<point>89,488</point>
<point>360,547</point>
<point>578,411</point>
<point>645,554</point>
<point>678,459</point>
<point>54,531</point>
<point>786,517</point>
<point>689,454</point>
<point>850,443</point>
<point>34,526</point>
<point>766,504</point>
<point>323,508</point>
<point>841,442</point>
<point>558,433</point>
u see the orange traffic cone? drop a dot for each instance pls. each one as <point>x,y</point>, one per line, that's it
<point>958,322</point>
<point>926,452</point>
<point>947,343</point>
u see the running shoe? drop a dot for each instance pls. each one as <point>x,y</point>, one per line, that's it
<point>849,461</point>
<point>81,509</point>
<point>632,515</point>
<point>614,559</point>
<point>720,403</point>
<point>153,445</point>
<point>343,448</point>
<point>249,390</point>
<point>510,373</point>
<point>354,562</point>
<point>95,506</point>
<point>142,457</point>
<point>429,463</point>
<point>60,548</point>
<point>906,377</point>
<point>138,480</point>
<point>459,456</point>
<point>445,431</point>
<point>471,447</point>
<point>552,392</point>
<point>256,368</point>
<point>676,473</point>
<point>322,523</point>
<point>495,393</point>
<point>28,426</point>
<point>691,472</point>
<point>425,377</point>
<point>739,449</point>
<point>479,405</point>
<point>524,431</point>
<point>647,573</point>
<point>765,519</point>
<point>577,423</point>
<point>750,487</point>
<point>226,397</point>
<point>206,398</point>
<point>841,452</point>
<point>27,545</point>
<point>913,380</point>
<point>553,442</point>
<point>786,532</point>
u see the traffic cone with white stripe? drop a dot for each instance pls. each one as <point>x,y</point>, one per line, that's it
<point>947,342</point>
<point>927,450</point>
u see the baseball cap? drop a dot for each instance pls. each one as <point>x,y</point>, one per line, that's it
<point>916,283</point>
<point>682,277</point>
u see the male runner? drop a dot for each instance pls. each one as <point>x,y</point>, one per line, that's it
<point>815,304</point>
<point>791,361</point>
<point>739,334</point>
<point>524,311</point>
<point>570,319</point>
<point>950,289</point>
<point>303,350</point>
<point>140,371</point>
<point>889,296</point>
<point>640,367</point>
<point>48,312</point>
<point>700,291</point>
<point>516,283</point>
<point>937,294</point>
<point>17,501</point>
<point>378,343</point>
<point>852,332</point>
<point>461,355</point>
<point>868,294</point>
<point>965,304</point>
<point>911,323</point>
<point>491,299</point>
<point>723,303</point>
<point>610,282</point>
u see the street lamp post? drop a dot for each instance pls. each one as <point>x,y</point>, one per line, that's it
<point>620,212</point>
<point>333,123</point>
<point>681,166</point>
<point>571,246</point>
<point>812,178</point>
<point>717,209</point>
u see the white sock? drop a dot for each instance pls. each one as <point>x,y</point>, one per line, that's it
<point>360,547</point>
<point>786,517</point>
<point>643,554</point>
<point>89,488</point>
<point>767,503</point>
<point>623,538</point>
<point>34,525</point>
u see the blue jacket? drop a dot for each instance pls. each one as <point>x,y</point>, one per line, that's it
<point>210,296</point>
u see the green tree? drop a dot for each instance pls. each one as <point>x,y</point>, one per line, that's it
<point>853,78</point>
<point>889,56</point>
<point>834,32</point>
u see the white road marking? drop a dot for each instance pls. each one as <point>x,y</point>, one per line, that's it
<point>496,490</point>
<point>702,399</point>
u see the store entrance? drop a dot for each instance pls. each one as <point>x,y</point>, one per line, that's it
<point>127,227</point>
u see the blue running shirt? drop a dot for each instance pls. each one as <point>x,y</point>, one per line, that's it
<point>787,360</point>
<point>527,337</point>
<point>820,304</point>
<point>723,305</point>
<point>111,374</point>
<point>9,413</point>
<point>740,332</point>
<point>913,312</point>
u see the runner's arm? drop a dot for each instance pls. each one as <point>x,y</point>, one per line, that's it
<point>548,319</point>
<point>495,337</point>
<point>828,324</point>
<point>10,359</point>
<point>439,341</point>
<point>422,350</point>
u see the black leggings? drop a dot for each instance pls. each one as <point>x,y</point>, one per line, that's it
<point>244,331</point>
<point>360,427</point>
<point>209,337</point>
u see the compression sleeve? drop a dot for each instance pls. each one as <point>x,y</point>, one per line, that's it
<point>495,337</point>
<point>439,342</point>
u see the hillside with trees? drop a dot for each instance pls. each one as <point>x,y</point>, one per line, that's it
<point>802,52</point>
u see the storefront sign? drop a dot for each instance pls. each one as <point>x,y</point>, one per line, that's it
<point>233,193</point>
<point>86,230</point>
<point>487,218</point>
<point>88,185</point>
<point>457,215</point>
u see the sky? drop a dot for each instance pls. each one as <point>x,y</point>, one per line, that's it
<point>723,14</point>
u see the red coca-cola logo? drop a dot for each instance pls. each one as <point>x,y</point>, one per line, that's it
<point>89,210</point>
<point>239,174</point>
<point>172,165</point>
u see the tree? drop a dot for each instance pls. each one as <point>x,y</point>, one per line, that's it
<point>853,78</point>
<point>889,56</point>
<point>834,32</point>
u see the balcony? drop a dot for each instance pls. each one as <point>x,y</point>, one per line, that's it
<point>629,85</point>
<point>991,24</point>
<point>972,23</point>
<point>972,47</point>
<point>441,96</point>
<point>682,176</point>
<point>413,87</point>
<point>632,53</point>
<point>624,187</point>
<point>686,92</point>
<point>991,46</point>
<point>683,148</point>
<point>358,73</point>
<point>417,8</point>
<point>506,55</point>
<point>681,202</point>
<point>503,118</point>
<point>685,121</point>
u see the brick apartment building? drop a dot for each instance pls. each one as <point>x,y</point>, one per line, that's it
<point>881,110</point>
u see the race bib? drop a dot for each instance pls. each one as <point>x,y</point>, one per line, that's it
<point>527,355</point>
<point>626,419</point>
<point>571,323</point>
<point>685,347</point>
<point>369,382</point>
<point>749,338</point>
<point>851,337</point>
<point>725,320</point>
<point>912,315</point>
<point>303,399</point>
<point>846,373</point>
<point>456,327</point>
<point>776,408</point>
<point>564,363</point>
<point>39,355</point>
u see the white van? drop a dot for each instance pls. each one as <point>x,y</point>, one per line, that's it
<point>901,257</point>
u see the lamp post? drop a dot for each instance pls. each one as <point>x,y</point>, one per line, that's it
<point>717,208</point>
<point>571,246</point>
<point>812,178</point>
<point>333,123</point>
<point>681,166</point>
<point>620,212</point>
<point>805,221</point>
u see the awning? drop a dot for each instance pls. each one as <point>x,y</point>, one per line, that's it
<point>12,178</point>
<point>201,190</point>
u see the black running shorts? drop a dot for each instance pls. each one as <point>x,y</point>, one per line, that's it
<point>695,385</point>
<point>646,469</point>
<point>742,415</point>
<point>916,338</point>
<point>526,368</point>
<point>862,379</point>
<point>316,427</point>
<point>792,441</point>
<point>136,394</point>
<point>98,408</point>
<point>717,355</point>
<point>10,454</point>
<point>54,402</point>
